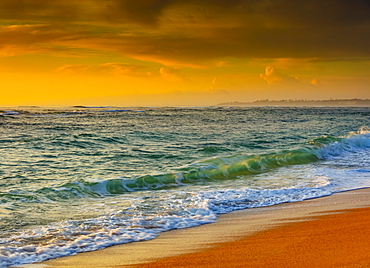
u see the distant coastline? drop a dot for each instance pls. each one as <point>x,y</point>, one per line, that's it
<point>303,102</point>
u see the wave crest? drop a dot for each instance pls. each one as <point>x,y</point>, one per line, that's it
<point>217,168</point>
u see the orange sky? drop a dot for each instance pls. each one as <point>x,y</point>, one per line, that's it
<point>182,52</point>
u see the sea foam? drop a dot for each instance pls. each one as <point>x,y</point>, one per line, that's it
<point>184,208</point>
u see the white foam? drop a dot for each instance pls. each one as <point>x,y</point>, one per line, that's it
<point>118,110</point>
<point>74,236</point>
<point>346,166</point>
<point>352,144</point>
<point>9,113</point>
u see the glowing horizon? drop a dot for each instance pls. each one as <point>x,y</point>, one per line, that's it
<point>173,52</point>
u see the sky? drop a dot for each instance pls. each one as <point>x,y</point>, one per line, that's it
<point>182,52</point>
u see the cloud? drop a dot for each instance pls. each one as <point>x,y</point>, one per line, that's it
<point>31,39</point>
<point>122,69</point>
<point>116,69</point>
<point>315,82</point>
<point>197,35</point>
<point>171,74</point>
<point>141,12</point>
<point>73,69</point>
<point>191,33</point>
<point>272,76</point>
<point>42,10</point>
<point>270,13</point>
<point>220,63</point>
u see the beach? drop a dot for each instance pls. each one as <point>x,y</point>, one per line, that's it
<point>131,186</point>
<point>324,232</point>
<point>183,133</point>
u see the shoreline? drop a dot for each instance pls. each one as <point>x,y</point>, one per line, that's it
<point>229,227</point>
<point>335,240</point>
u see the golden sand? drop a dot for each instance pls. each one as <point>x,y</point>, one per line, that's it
<point>337,240</point>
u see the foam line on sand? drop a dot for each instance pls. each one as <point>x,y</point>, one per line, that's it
<point>230,228</point>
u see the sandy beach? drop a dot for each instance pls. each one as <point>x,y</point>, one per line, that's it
<point>336,240</point>
<point>168,133</point>
<point>324,232</point>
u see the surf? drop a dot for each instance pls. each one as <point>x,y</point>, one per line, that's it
<point>218,168</point>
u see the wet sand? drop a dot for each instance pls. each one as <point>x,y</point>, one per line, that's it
<point>330,231</point>
<point>338,240</point>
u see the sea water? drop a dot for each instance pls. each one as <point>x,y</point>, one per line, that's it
<point>76,179</point>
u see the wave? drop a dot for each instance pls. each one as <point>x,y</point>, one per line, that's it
<point>144,216</point>
<point>91,107</point>
<point>218,168</point>
<point>9,113</point>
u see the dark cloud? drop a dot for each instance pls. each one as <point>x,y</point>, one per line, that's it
<point>142,12</point>
<point>186,49</point>
<point>149,12</point>
<point>30,39</point>
<point>293,13</point>
<point>179,32</point>
<point>40,10</point>
<point>31,34</point>
<point>209,30</point>
<point>318,13</point>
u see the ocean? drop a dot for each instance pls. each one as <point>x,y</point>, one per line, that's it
<point>76,179</point>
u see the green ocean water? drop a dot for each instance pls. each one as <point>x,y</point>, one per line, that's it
<point>75,179</point>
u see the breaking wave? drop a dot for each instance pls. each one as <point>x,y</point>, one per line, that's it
<point>217,168</point>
